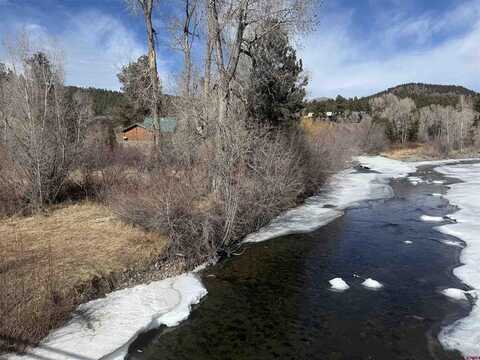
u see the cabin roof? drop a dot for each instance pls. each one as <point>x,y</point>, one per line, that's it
<point>167,124</point>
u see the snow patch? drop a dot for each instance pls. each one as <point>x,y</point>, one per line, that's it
<point>372,284</point>
<point>429,218</point>
<point>438,182</point>
<point>338,284</point>
<point>455,294</point>
<point>105,328</point>
<point>437,194</point>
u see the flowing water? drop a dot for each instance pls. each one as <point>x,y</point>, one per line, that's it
<point>274,301</point>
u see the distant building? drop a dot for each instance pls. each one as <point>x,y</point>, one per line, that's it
<point>329,114</point>
<point>310,115</point>
<point>149,129</point>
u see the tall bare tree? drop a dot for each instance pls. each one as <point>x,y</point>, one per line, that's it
<point>4,77</point>
<point>147,7</point>
<point>185,31</point>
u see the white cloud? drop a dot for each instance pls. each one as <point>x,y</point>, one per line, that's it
<point>339,63</point>
<point>95,45</point>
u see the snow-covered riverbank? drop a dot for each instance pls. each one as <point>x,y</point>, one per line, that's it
<point>105,328</point>
<point>464,334</point>
<point>344,190</point>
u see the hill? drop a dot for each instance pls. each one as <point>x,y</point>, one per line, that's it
<point>422,94</point>
<point>427,94</point>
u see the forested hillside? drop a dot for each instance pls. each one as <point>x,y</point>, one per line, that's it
<point>104,101</point>
<point>422,94</point>
<point>428,94</point>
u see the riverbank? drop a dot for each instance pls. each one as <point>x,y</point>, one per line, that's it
<point>344,190</point>
<point>464,334</point>
<point>276,299</point>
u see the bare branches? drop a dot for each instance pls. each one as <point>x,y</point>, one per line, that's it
<point>44,129</point>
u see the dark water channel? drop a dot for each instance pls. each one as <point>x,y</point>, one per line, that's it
<point>274,301</point>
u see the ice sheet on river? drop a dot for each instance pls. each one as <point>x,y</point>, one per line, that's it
<point>344,190</point>
<point>104,328</point>
<point>464,334</point>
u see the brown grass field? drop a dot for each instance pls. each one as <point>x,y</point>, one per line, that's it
<point>49,262</point>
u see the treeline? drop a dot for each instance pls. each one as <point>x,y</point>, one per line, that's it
<point>104,102</point>
<point>337,105</point>
<point>422,95</point>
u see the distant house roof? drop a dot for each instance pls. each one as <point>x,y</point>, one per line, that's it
<point>167,124</point>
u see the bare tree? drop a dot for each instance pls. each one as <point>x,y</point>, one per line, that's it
<point>236,25</point>
<point>44,130</point>
<point>4,77</point>
<point>208,52</point>
<point>147,6</point>
<point>399,114</point>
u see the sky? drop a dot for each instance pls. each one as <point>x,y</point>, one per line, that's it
<point>358,48</point>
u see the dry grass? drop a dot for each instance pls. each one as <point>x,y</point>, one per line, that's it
<point>85,240</point>
<point>315,127</point>
<point>419,152</point>
<point>413,152</point>
<point>407,152</point>
<point>49,263</point>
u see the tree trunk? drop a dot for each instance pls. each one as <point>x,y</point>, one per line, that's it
<point>208,52</point>
<point>152,60</point>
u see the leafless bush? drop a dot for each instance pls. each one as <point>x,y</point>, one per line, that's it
<point>31,302</point>
<point>371,135</point>
<point>103,169</point>
<point>261,176</point>
<point>170,202</point>
<point>328,151</point>
<point>44,129</point>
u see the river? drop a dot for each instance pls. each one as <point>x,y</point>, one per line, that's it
<point>273,300</point>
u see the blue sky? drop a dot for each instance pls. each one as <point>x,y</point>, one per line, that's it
<point>360,46</point>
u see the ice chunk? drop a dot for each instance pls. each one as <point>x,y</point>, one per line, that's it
<point>429,218</point>
<point>456,294</point>
<point>408,242</point>
<point>438,182</point>
<point>452,243</point>
<point>415,180</point>
<point>338,284</point>
<point>372,284</point>
<point>436,194</point>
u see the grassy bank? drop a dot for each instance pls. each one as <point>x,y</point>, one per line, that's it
<point>52,262</point>
<point>419,152</point>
